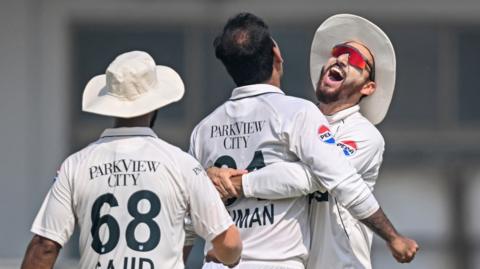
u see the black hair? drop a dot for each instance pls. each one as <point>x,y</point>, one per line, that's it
<point>245,49</point>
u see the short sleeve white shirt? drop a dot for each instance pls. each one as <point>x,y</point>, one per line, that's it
<point>338,239</point>
<point>129,192</point>
<point>259,126</point>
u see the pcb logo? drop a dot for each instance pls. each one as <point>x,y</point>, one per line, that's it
<point>348,147</point>
<point>325,135</point>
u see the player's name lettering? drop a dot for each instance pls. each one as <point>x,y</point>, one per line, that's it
<point>128,263</point>
<point>247,217</point>
<point>235,142</point>
<point>123,166</point>
<point>237,128</point>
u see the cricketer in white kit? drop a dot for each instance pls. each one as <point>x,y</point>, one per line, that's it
<point>273,127</point>
<point>130,191</point>
<point>259,126</point>
<point>338,239</point>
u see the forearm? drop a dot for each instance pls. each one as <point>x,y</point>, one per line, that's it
<point>279,181</point>
<point>227,246</point>
<point>381,225</point>
<point>41,253</point>
<point>354,194</point>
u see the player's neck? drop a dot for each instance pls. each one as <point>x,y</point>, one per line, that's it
<point>274,81</point>
<point>332,108</point>
<point>142,121</point>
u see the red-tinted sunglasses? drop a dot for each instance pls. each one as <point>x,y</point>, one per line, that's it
<point>355,58</point>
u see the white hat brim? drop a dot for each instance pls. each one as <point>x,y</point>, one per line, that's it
<point>97,100</point>
<point>344,28</point>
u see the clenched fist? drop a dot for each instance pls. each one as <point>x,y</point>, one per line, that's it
<point>403,249</point>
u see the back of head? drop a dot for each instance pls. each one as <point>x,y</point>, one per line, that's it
<point>245,48</point>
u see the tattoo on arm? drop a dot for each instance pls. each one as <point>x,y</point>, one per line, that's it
<point>381,225</point>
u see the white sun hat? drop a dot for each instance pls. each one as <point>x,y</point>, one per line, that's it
<point>133,85</point>
<point>343,28</point>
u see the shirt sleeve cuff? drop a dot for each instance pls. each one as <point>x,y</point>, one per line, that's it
<point>219,229</point>
<point>49,235</point>
<point>246,186</point>
<point>366,208</point>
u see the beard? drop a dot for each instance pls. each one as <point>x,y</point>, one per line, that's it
<point>326,94</point>
<point>323,93</point>
<point>327,97</point>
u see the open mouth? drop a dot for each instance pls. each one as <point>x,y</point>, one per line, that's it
<point>335,74</point>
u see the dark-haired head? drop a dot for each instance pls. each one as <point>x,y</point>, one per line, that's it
<point>245,47</point>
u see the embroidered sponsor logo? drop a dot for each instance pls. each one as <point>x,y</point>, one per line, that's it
<point>325,135</point>
<point>348,147</point>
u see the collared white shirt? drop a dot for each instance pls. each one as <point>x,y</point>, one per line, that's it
<point>260,126</point>
<point>129,192</point>
<point>338,239</point>
<point>360,141</point>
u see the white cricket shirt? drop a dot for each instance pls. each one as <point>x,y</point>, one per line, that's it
<point>260,125</point>
<point>338,239</point>
<point>129,192</point>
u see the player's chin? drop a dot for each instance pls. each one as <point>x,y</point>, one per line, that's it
<point>327,94</point>
<point>329,87</point>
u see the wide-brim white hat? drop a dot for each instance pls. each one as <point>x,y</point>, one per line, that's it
<point>343,28</point>
<point>132,86</point>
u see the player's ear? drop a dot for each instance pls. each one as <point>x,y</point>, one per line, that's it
<point>277,55</point>
<point>368,88</point>
<point>277,59</point>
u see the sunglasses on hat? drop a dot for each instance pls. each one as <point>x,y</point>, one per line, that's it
<point>355,58</point>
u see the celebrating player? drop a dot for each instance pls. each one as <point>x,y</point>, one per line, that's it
<point>353,70</point>
<point>354,89</point>
<point>260,125</point>
<point>130,191</point>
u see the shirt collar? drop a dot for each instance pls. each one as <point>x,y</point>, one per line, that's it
<point>342,114</point>
<point>253,90</point>
<point>128,131</point>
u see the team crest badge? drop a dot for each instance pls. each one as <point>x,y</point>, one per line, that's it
<point>325,135</point>
<point>348,147</point>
